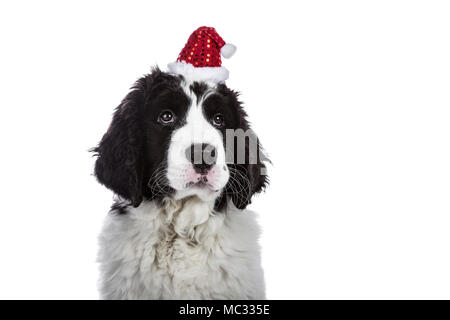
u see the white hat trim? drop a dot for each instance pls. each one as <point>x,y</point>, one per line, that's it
<point>213,74</point>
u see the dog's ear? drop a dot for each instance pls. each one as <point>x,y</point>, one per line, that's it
<point>119,165</point>
<point>249,177</point>
<point>245,157</point>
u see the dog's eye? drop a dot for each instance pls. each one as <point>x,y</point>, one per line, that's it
<point>166,117</point>
<point>218,120</point>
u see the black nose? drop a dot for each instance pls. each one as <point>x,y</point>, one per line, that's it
<point>202,156</point>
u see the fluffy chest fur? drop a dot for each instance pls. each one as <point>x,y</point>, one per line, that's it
<point>180,250</point>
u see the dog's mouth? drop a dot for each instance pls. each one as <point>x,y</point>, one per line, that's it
<point>202,188</point>
<point>202,183</point>
<point>205,184</point>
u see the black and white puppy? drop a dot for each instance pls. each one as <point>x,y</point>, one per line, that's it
<point>179,228</point>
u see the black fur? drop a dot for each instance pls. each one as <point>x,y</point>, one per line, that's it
<point>135,145</point>
<point>199,89</point>
<point>254,172</point>
<point>119,208</point>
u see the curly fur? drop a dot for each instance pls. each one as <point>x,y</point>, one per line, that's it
<point>156,244</point>
<point>181,250</point>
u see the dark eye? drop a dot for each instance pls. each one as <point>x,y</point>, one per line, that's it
<point>166,117</point>
<point>218,120</point>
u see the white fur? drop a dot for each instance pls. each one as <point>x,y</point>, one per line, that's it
<point>228,50</point>
<point>212,74</point>
<point>180,250</point>
<point>196,130</point>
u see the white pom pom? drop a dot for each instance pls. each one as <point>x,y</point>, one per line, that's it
<point>228,50</point>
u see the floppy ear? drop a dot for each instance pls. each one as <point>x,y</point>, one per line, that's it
<point>250,177</point>
<point>119,165</point>
<point>244,156</point>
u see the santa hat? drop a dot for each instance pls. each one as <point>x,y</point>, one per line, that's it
<point>200,58</point>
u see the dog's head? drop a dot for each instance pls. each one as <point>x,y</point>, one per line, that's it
<point>171,137</point>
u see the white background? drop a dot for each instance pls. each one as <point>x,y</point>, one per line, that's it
<point>351,100</point>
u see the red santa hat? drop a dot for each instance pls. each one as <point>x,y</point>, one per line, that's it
<point>200,58</point>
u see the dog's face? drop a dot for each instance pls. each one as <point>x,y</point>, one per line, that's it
<point>168,137</point>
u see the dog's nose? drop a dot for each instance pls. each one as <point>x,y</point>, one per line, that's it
<point>202,156</point>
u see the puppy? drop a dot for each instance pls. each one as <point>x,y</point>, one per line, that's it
<point>183,163</point>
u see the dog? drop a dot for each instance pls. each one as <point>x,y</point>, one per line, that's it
<point>179,227</point>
